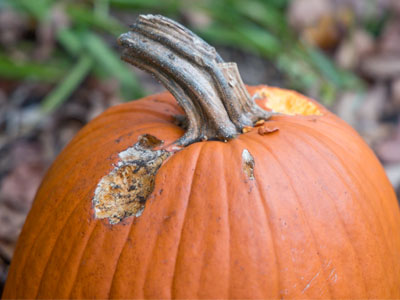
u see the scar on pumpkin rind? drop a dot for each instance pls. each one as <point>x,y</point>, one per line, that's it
<point>248,164</point>
<point>123,192</point>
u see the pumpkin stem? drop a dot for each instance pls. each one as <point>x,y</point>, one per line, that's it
<point>210,91</point>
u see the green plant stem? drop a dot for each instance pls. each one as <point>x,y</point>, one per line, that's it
<point>68,84</point>
<point>12,69</point>
<point>110,62</point>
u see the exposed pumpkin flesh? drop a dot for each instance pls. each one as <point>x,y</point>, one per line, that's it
<point>287,102</point>
<point>123,192</point>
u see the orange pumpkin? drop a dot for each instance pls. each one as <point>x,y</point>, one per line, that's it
<point>296,207</point>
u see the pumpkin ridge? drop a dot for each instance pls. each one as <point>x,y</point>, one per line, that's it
<point>27,258</point>
<point>67,261</point>
<point>24,258</point>
<point>91,235</point>
<point>228,226</point>
<point>94,271</point>
<point>40,232</point>
<point>267,213</point>
<point>354,178</point>
<point>387,249</point>
<point>51,253</point>
<point>83,135</point>
<point>343,224</point>
<point>194,157</point>
<point>222,154</point>
<point>328,125</point>
<point>129,231</point>
<point>327,136</point>
<point>215,148</point>
<point>379,223</point>
<point>249,212</point>
<point>137,288</point>
<point>178,248</point>
<point>339,145</point>
<point>284,171</point>
<point>373,209</point>
<point>338,173</point>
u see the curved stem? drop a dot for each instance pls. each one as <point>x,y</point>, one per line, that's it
<point>209,90</point>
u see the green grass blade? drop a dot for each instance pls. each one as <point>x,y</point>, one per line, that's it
<point>264,14</point>
<point>85,16</point>
<point>11,69</point>
<point>340,78</point>
<point>170,6</point>
<point>266,43</point>
<point>101,8</point>
<point>248,37</point>
<point>324,65</point>
<point>70,40</point>
<point>111,62</point>
<point>69,84</point>
<point>37,8</point>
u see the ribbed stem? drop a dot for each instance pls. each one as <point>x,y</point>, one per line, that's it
<point>210,91</point>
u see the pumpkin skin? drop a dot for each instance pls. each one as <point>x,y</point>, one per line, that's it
<point>319,220</point>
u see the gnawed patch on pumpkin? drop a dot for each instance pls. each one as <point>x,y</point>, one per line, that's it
<point>248,164</point>
<point>124,191</point>
<point>287,102</point>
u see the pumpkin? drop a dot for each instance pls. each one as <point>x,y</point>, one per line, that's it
<point>275,197</point>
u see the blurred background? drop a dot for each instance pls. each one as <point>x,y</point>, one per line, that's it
<point>60,67</point>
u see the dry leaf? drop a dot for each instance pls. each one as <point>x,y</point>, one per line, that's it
<point>305,13</point>
<point>353,50</point>
<point>395,90</point>
<point>381,66</point>
<point>390,38</point>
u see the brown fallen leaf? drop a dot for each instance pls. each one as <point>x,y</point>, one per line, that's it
<point>12,26</point>
<point>389,41</point>
<point>325,34</point>
<point>395,6</point>
<point>347,105</point>
<point>395,90</point>
<point>381,66</point>
<point>352,50</point>
<point>11,222</point>
<point>305,13</point>
<point>26,176</point>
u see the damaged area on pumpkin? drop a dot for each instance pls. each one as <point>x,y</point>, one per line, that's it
<point>286,102</point>
<point>123,192</point>
<point>248,164</point>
